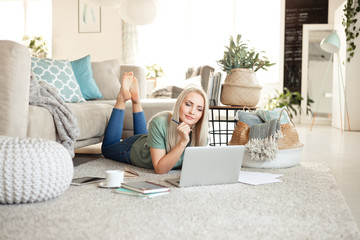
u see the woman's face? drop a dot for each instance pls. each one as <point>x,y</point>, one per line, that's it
<point>191,108</point>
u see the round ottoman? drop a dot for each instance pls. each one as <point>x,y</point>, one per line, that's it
<point>33,170</point>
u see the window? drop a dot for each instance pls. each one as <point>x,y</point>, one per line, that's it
<point>12,12</point>
<point>26,17</point>
<point>195,32</point>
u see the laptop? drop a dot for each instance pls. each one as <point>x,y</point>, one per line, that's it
<point>210,165</point>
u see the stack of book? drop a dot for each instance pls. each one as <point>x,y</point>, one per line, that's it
<point>144,189</point>
<point>214,89</point>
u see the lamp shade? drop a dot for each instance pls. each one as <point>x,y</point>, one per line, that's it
<point>138,12</point>
<point>110,3</point>
<point>331,43</point>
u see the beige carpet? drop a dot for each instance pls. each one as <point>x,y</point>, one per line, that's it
<point>306,205</point>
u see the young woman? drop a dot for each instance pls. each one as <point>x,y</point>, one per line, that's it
<point>162,148</point>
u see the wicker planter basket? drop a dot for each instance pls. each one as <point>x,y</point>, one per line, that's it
<point>240,96</point>
<point>240,88</point>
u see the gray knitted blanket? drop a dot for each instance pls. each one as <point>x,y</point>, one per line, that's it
<point>46,96</point>
<point>262,140</point>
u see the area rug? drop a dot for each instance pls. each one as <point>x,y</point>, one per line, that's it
<point>306,205</point>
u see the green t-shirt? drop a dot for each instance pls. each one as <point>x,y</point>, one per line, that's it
<point>140,151</point>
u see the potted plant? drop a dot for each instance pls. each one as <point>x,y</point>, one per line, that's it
<point>37,46</point>
<point>241,63</point>
<point>291,100</point>
<point>154,71</point>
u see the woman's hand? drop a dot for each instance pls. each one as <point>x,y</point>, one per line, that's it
<point>184,131</point>
<point>163,162</point>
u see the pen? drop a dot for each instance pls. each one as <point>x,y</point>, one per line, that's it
<point>175,121</point>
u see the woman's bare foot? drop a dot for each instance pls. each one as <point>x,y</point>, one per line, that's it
<point>125,86</point>
<point>134,91</point>
<point>135,96</point>
<point>124,93</point>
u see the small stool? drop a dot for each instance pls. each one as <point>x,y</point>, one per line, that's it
<point>33,170</point>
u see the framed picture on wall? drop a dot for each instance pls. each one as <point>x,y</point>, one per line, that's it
<point>89,16</point>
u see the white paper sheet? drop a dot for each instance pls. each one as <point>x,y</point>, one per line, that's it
<point>257,178</point>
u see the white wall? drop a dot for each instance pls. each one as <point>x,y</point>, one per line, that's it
<point>351,73</point>
<point>67,43</point>
<point>333,5</point>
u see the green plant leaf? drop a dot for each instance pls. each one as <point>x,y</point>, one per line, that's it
<point>238,55</point>
<point>351,9</point>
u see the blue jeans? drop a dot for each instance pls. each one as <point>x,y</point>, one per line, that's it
<point>112,146</point>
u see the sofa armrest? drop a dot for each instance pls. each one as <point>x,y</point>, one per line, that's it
<point>203,71</point>
<point>14,88</point>
<point>139,73</point>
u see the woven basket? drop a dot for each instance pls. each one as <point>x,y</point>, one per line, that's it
<point>240,88</point>
<point>290,137</point>
<point>240,96</point>
<point>240,135</point>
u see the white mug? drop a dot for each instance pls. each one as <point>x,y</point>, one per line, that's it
<point>114,178</point>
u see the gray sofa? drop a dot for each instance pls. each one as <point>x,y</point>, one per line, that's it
<point>198,76</point>
<point>19,119</point>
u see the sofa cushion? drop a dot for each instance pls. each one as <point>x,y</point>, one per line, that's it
<point>107,75</point>
<point>41,123</point>
<point>84,76</point>
<point>151,107</point>
<point>92,118</point>
<point>59,74</point>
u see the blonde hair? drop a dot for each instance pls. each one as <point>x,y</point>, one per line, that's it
<point>199,130</point>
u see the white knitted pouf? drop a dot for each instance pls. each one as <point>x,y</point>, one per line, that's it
<point>33,170</point>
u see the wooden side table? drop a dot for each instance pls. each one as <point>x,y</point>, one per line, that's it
<point>222,123</point>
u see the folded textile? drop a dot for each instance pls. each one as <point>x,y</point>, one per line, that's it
<point>46,96</point>
<point>267,115</point>
<point>262,140</point>
<point>249,118</point>
<point>164,92</point>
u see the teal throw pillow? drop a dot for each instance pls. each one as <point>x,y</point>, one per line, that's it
<point>84,76</point>
<point>58,73</point>
<point>268,115</point>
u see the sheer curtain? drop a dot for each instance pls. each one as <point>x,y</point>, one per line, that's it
<point>129,43</point>
<point>195,32</point>
<point>165,41</point>
<point>12,12</point>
